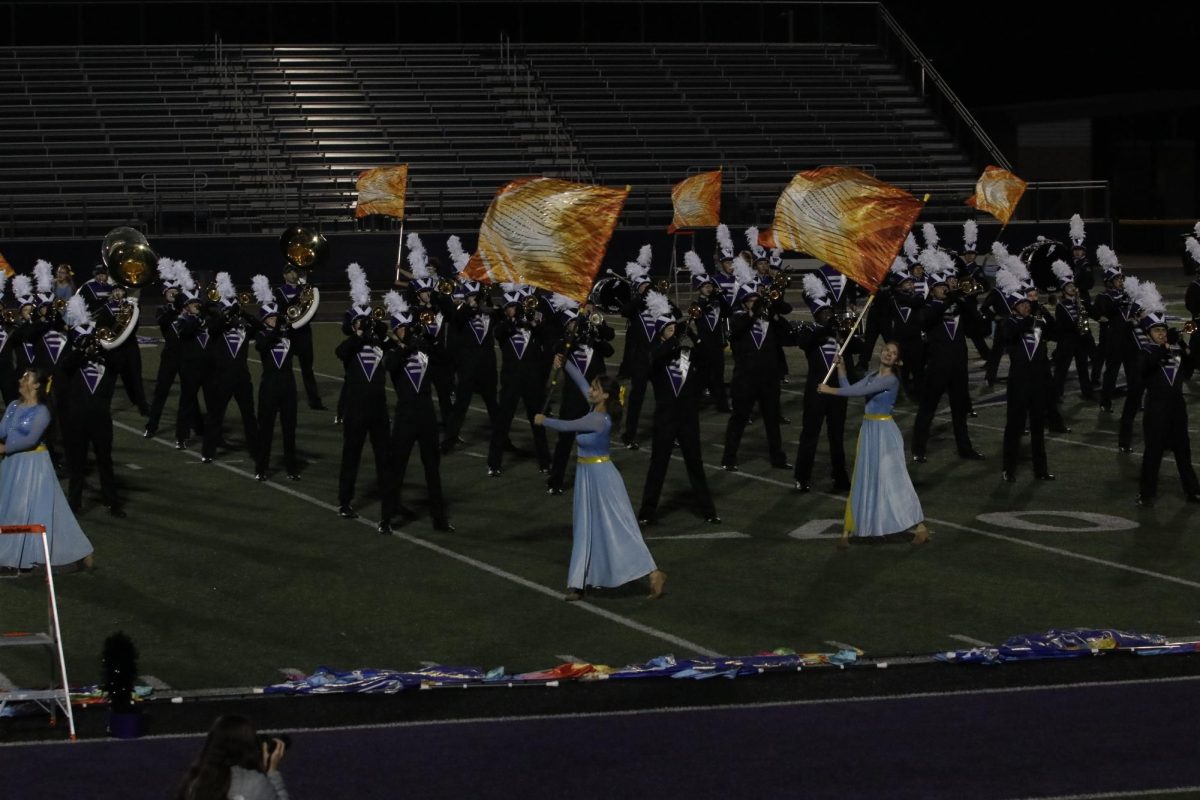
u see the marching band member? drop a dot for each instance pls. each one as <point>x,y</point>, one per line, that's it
<point>523,339</point>
<point>905,324</point>
<point>437,310</point>
<point>1116,338</point>
<point>973,270</point>
<point>1030,385</point>
<point>1083,274</point>
<point>8,346</point>
<point>676,380</point>
<point>947,320</point>
<point>366,411</point>
<point>643,327</point>
<point>607,548</point>
<point>49,343</point>
<point>882,500</point>
<point>231,370</point>
<point>995,312</point>
<point>1073,334</point>
<point>168,360</point>
<point>23,325</point>
<point>755,328</point>
<point>277,387</point>
<point>96,291</point>
<point>1165,424</point>
<point>724,278</point>
<point>88,385</point>
<point>713,312</point>
<point>474,348</point>
<point>820,344</point>
<point>588,346</point>
<point>126,358</point>
<point>415,421</point>
<point>287,294</point>
<point>190,329</point>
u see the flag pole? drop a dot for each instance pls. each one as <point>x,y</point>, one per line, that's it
<point>862,315</point>
<point>399,253</point>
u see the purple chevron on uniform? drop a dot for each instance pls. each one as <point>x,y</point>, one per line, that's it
<point>54,341</point>
<point>234,339</point>
<point>520,343</point>
<point>28,351</point>
<point>951,325</point>
<point>1170,369</point>
<point>582,356</point>
<point>677,371</point>
<point>279,352</point>
<point>904,311</point>
<point>479,326</point>
<point>92,374</point>
<point>828,353</point>
<point>415,369</point>
<point>712,317</point>
<point>758,332</point>
<point>649,325</point>
<point>1031,342</point>
<point>202,338</point>
<point>369,359</point>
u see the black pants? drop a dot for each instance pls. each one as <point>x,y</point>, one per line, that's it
<point>415,425</point>
<point>1117,356</point>
<point>1027,401</point>
<point>194,377</point>
<point>746,390</point>
<point>8,378</point>
<point>713,374</point>
<point>1100,356</point>
<point>527,387</point>
<point>129,361</point>
<point>942,378</point>
<point>1166,428</point>
<point>1077,349</point>
<point>302,346</point>
<point>168,368</point>
<point>676,422</point>
<point>230,383</point>
<point>475,376</point>
<point>639,378</point>
<point>441,373</point>
<point>829,411</point>
<point>574,405</point>
<point>1133,401</point>
<point>992,368</point>
<point>89,424</point>
<point>876,325</point>
<point>277,398</point>
<point>360,424</point>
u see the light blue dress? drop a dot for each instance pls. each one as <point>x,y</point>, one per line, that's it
<point>882,499</point>
<point>608,549</point>
<point>30,494</point>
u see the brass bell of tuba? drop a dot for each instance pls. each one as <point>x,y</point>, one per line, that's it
<point>129,258</point>
<point>304,249</point>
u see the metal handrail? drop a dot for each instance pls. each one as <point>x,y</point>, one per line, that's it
<point>928,71</point>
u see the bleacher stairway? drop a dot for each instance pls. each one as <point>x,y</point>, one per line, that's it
<point>248,138</point>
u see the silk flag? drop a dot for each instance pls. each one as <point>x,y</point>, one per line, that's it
<point>697,202</point>
<point>381,191</point>
<point>997,192</point>
<point>848,219</point>
<point>547,232</point>
<point>5,267</point>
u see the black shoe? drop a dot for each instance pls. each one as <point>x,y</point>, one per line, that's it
<point>781,465</point>
<point>1124,448</point>
<point>919,458</point>
<point>713,520</point>
<point>318,406</point>
<point>544,470</point>
<point>785,420</point>
<point>803,486</point>
<point>206,459</point>
<point>1045,476</point>
<point>554,490</point>
<point>150,431</point>
<point>971,455</point>
<point>1106,407</point>
<point>1144,502</point>
<point>180,445</point>
<point>260,476</point>
<point>337,419</point>
<point>1007,477</point>
<point>493,472</point>
<point>643,519</point>
<point>384,527</point>
<point>444,526</point>
<point>730,467</point>
<point>292,476</point>
<point>972,414</point>
<point>346,512</point>
<point>631,444</point>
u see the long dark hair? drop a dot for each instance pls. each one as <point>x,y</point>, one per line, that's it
<point>613,406</point>
<point>232,742</point>
<point>42,375</point>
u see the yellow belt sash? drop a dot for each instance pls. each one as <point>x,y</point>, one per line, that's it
<point>877,417</point>
<point>592,459</point>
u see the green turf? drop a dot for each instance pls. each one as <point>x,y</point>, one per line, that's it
<point>222,581</point>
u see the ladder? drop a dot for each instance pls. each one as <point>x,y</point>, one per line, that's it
<point>48,698</point>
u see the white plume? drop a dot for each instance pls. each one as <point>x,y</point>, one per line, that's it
<point>695,265</point>
<point>635,271</point>
<point>725,241</point>
<point>418,260</point>
<point>741,270</point>
<point>946,262</point>
<point>44,274</point>
<point>22,286</point>
<point>76,314</point>
<point>1106,258</point>
<point>1192,246</point>
<point>225,286</point>
<point>658,304</point>
<point>166,269</point>
<point>1007,282</point>
<point>1147,297</point>
<point>911,248</point>
<point>930,234</point>
<point>1062,271</point>
<point>262,289</point>
<point>752,240</point>
<point>360,293</point>
<point>396,305</point>
<point>459,257</point>
<point>999,251</point>
<point>970,233</point>
<point>1196,230</point>
<point>814,287</point>
<point>1041,238</point>
<point>645,256</point>
<point>184,276</point>
<point>1016,266</point>
<point>1076,227</point>
<point>899,265</point>
<point>510,287</point>
<point>3,280</point>
<point>560,303</point>
<point>1132,286</point>
<point>929,260</point>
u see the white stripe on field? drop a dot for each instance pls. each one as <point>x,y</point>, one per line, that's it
<point>1116,795</point>
<point>464,559</point>
<point>154,683</point>
<point>717,535</point>
<point>967,639</point>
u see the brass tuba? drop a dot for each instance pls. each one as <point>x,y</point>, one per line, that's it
<point>304,250</point>
<point>129,258</point>
<point>125,322</point>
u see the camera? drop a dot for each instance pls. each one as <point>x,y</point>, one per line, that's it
<point>269,741</point>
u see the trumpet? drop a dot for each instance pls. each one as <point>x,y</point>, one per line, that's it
<point>245,298</point>
<point>530,304</point>
<point>969,286</point>
<point>595,319</point>
<point>695,311</point>
<point>445,286</point>
<point>774,293</point>
<point>213,293</point>
<point>1189,327</point>
<point>10,315</point>
<point>427,317</point>
<point>662,285</point>
<point>780,278</point>
<point>1083,325</point>
<point>378,313</point>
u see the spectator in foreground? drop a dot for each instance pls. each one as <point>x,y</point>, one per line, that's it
<point>235,765</point>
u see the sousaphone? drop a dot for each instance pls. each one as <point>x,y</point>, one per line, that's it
<point>132,263</point>
<point>305,250</point>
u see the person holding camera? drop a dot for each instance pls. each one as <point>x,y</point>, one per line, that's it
<point>236,762</point>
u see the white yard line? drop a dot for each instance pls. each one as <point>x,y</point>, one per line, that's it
<point>968,640</point>
<point>556,594</point>
<point>717,535</point>
<point>154,683</point>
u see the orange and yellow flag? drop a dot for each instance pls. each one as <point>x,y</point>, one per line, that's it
<point>846,218</point>
<point>381,191</point>
<point>997,192</point>
<point>547,232</point>
<point>5,267</point>
<point>697,202</point>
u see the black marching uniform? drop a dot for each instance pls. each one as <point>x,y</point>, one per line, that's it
<point>437,339</point>
<point>714,313</point>
<point>9,344</point>
<point>276,397</point>
<point>1165,424</point>
<point>126,358</point>
<point>754,337</point>
<point>1030,390</point>
<point>192,333</point>
<point>231,378</point>
<point>947,324</point>
<point>525,367</point>
<point>475,365</point>
<point>1116,341</point>
<point>676,372</point>
<point>643,327</point>
<point>286,295</point>
<point>168,361</point>
<point>366,413</point>
<point>909,337</point>
<point>820,344</point>
<point>1074,343</point>
<point>89,381</point>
